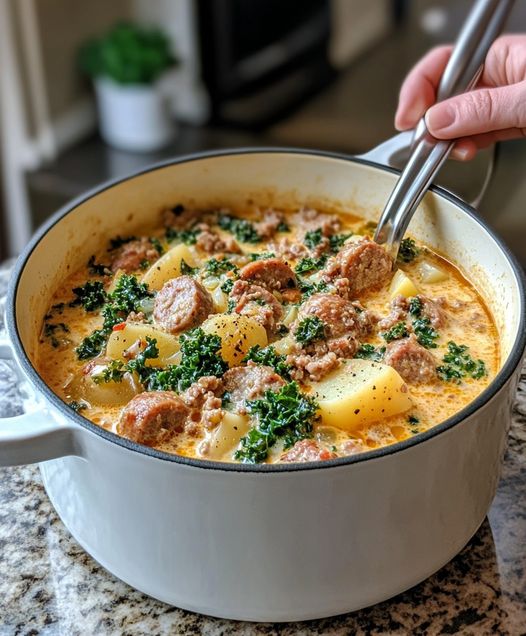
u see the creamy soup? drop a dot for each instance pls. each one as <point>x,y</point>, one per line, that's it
<point>268,336</point>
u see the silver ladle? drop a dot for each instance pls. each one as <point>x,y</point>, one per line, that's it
<point>482,26</point>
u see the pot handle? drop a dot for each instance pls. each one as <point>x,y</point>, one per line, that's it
<point>395,151</point>
<point>35,436</point>
<point>390,153</point>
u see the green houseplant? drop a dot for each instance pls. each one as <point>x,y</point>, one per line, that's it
<point>129,66</point>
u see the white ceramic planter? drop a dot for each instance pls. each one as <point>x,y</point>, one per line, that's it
<point>271,542</point>
<point>134,117</point>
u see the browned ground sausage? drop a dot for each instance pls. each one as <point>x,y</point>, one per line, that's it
<point>288,249</point>
<point>269,224</point>
<point>181,218</point>
<point>182,303</point>
<point>204,404</point>
<point>271,273</point>
<point>400,306</point>
<point>258,303</point>
<point>133,254</point>
<point>412,361</point>
<point>365,263</point>
<point>212,243</point>
<point>312,220</point>
<point>432,309</point>
<point>314,366</point>
<point>307,450</point>
<point>339,315</point>
<point>250,383</point>
<point>152,417</point>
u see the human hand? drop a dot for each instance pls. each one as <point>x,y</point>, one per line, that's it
<point>494,111</point>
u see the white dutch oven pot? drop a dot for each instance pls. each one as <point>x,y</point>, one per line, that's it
<point>265,543</point>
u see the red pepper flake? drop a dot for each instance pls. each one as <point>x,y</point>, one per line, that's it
<point>119,327</point>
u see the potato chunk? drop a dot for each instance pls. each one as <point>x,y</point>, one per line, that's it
<point>107,393</point>
<point>226,436</point>
<point>168,266</point>
<point>402,285</point>
<point>360,392</point>
<point>237,333</point>
<point>122,339</point>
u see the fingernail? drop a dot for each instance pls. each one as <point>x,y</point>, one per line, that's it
<point>416,110</point>
<point>412,114</point>
<point>439,117</point>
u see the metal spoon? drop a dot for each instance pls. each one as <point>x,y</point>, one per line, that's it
<point>482,26</point>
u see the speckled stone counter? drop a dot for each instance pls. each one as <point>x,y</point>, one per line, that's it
<point>50,586</point>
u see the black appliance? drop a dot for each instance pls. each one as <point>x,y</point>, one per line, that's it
<point>262,58</point>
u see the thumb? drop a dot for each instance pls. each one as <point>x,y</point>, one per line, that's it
<point>479,111</point>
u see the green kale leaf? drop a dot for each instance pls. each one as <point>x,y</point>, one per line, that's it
<point>113,372</point>
<point>242,229</point>
<point>370,352</point>
<point>285,415</point>
<point>91,295</point>
<point>396,332</point>
<point>308,289</point>
<point>313,238</point>
<point>77,406</point>
<point>138,364</point>
<point>459,364</point>
<point>125,298</point>
<point>310,330</point>
<point>215,267</point>
<point>128,296</point>
<point>187,270</point>
<point>415,306</point>
<point>337,240</point>
<point>408,250</point>
<point>92,345</point>
<point>424,332</point>
<point>119,241</point>
<point>261,256</point>
<point>200,356</point>
<point>157,245</point>
<point>227,286</point>
<point>310,264</point>
<point>188,237</point>
<point>98,269</point>
<point>51,331</point>
<point>270,358</point>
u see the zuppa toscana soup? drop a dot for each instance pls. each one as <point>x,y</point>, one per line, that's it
<point>268,336</point>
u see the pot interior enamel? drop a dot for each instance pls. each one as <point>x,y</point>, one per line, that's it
<point>289,179</point>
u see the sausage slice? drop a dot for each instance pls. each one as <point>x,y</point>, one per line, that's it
<point>182,303</point>
<point>250,383</point>
<point>365,263</point>
<point>152,417</point>
<point>271,273</point>
<point>339,315</point>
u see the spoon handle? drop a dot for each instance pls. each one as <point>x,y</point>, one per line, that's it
<point>482,26</point>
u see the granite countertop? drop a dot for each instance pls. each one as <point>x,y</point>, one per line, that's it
<point>50,586</point>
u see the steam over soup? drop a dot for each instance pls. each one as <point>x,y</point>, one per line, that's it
<point>268,336</point>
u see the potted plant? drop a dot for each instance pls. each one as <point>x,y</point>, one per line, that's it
<point>129,65</point>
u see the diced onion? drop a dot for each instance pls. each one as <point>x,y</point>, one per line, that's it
<point>211,283</point>
<point>290,316</point>
<point>431,273</point>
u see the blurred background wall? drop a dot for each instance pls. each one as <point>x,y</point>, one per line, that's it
<point>311,73</point>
